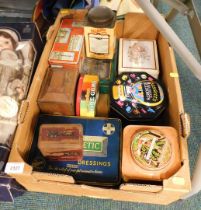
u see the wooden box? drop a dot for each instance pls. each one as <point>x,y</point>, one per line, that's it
<point>169,190</point>
<point>57,94</point>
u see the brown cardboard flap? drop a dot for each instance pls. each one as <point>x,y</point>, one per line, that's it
<point>141,187</point>
<point>138,26</point>
<point>23,111</point>
<point>40,176</point>
<point>50,32</point>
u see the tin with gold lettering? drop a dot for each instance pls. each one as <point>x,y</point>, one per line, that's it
<point>100,164</point>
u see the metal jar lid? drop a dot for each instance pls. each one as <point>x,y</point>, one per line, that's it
<point>101,16</point>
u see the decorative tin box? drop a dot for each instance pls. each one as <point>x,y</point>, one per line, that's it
<point>101,151</point>
<point>105,69</point>
<point>57,94</point>
<point>61,142</point>
<point>100,39</point>
<point>137,97</point>
<point>150,152</point>
<point>138,56</point>
<point>87,95</point>
<point>68,45</point>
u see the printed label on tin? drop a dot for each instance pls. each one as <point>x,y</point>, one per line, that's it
<point>99,43</point>
<point>89,96</point>
<point>151,149</point>
<point>95,146</point>
<point>63,56</point>
<point>138,54</point>
<point>63,35</point>
<point>52,133</point>
<point>75,43</point>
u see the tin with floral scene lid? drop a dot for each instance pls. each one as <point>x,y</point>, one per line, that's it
<point>137,97</point>
<point>150,152</point>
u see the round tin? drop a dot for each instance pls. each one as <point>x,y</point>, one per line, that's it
<point>89,95</point>
<point>150,152</point>
<point>78,97</point>
<point>151,149</point>
<point>137,97</point>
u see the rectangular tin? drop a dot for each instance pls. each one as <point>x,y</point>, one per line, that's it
<point>61,142</point>
<point>101,159</point>
<point>68,45</point>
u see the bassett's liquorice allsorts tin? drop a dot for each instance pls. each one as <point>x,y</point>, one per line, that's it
<point>137,97</point>
<point>100,164</point>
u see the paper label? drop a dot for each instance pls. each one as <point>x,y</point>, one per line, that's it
<point>99,43</point>
<point>14,168</point>
<point>75,43</point>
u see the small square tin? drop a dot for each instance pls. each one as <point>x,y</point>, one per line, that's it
<point>137,55</point>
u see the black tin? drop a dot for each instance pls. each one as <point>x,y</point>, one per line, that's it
<point>137,97</point>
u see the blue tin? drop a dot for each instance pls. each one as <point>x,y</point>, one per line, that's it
<point>101,148</point>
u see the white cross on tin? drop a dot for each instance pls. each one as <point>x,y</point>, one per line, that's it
<point>108,128</point>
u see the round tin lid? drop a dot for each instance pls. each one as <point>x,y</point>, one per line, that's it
<point>150,149</point>
<point>137,96</point>
<point>101,16</point>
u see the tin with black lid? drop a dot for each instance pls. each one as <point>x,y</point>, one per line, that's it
<point>137,97</point>
<point>100,33</point>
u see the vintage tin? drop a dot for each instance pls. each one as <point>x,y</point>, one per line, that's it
<point>61,142</point>
<point>99,33</point>
<point>150,152</point>
<point>137,55</point>
<point>101,151</point>
<point>57,94</point>
<point>68,46</point>
<point>137,97</point>
<point>105,69</point>
<point>87,95</point>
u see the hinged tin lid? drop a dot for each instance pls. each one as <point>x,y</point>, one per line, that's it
<point>101,16</point>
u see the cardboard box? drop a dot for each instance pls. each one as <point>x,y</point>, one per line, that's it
<point>165,192</point>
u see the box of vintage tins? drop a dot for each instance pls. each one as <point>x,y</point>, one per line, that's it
<point>166,190</point>
<point>99,138</point>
